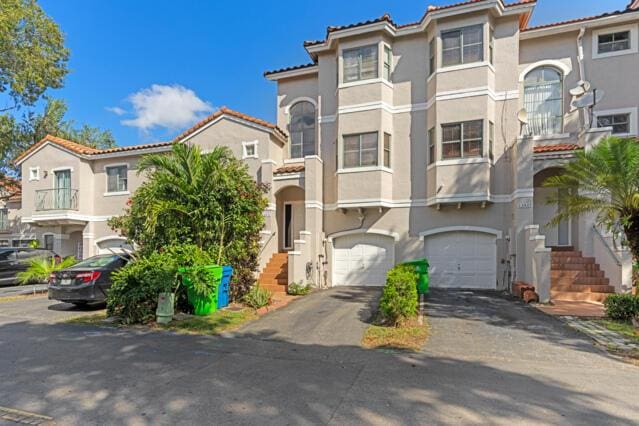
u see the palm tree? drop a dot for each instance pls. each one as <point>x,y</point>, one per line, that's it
<point>605,181</point>
<point>40,269</point>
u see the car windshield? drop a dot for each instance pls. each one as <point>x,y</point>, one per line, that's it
<point>96,261</point>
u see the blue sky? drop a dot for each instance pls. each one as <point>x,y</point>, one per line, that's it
<point>125,53</point>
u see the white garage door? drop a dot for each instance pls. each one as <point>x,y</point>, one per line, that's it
<point>462,260</point>
<point>362,259</point>
<point>113,245</point>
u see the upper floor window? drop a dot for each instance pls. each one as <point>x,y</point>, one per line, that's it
<point>463,46</point>
<point>491,46</point>
<point>387,150</point>
<point>34,173</point>
<point>249,150</point>
<point>462,140</point>
<point>431,145</point>
<point>388,63</point>
<point>302,129</point>
<point>4,219</point>
<point>543,100</point>
<point>117,178</point>
<point>432,53</point>
<point>360,63</point>
<point>620,123</point>
<point>360,150</point>
<point>613,42</point>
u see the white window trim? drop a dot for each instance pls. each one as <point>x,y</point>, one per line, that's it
<point>61,169</point>
<point>245,145</point>
<point>37,175</point>
<point>44,242</point>
<point>460,161</point>
<point>633,111</point>
<point>363,82</point>
<point>106,180</point>
<point>634,41</point>
<point>364,169</point>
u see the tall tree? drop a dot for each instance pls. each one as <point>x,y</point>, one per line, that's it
<point>17,134</point>
<point>33,57</point>
<point>605,181</point>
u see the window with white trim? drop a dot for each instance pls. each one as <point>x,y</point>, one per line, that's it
<point>491,46</point>
<point>432,53</point>
<point>543,100</point>
<point>34,173</point>
<point>491,139</point>
<point>462,140</point>
<point>48,241</point>
<point>249,150</point>
<point>388,63</point>
<point>117,180</point>
<point>431,145</point>
<point>302,129</point>
<point>620,123</point>
<point>360,63</point>
<point>360,150</point>
<point>4,219</point>
<point>613,42</point>
<point>387,150</point>
<point>463,46</point>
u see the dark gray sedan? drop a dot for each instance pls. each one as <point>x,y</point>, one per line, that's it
<point>86,281</point>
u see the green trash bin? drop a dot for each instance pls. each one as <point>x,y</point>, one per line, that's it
<point>202,305</point>
<point>421,267</point>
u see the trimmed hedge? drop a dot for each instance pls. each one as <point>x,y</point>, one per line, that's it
<point>399,300</point>
<point>622,307</point>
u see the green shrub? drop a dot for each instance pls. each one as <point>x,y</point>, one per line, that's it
<point>299,289</point>
<point>134,293</point>
<point>257,297</point>
<point>399,298</point>
<point>621,307</point>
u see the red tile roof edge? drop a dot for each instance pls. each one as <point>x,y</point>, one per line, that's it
<point>291,68</point>
<point>296,168</point>
<point>578,20</point>
<point>556,148</point>
<point>387,18</point>
<point>224,110</point>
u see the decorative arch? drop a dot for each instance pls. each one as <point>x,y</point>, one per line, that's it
<point>393,235</point>
<point>288,107</point>
<point>496,232</point>
<point>561,66</point>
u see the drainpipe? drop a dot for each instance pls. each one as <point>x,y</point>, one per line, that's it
<point>582,70</point>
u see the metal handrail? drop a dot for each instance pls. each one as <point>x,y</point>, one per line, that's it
<point>56,199</point>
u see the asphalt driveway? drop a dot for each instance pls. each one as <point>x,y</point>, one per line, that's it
<point>489,360</point>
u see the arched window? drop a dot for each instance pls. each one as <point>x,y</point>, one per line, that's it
<point>543,100</point>
<point>302,129</point>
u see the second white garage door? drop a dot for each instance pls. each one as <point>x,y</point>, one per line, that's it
<point>462,260</point>
<point>362,259</point>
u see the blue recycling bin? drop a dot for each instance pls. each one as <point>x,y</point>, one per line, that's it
<point>223,289</point>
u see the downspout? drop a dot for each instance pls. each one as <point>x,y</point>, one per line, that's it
<point>582,69</point>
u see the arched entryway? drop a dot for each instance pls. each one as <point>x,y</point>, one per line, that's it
<point>291,216</point>
<point>556,235</point>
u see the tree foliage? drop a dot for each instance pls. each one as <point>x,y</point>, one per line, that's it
<point>209,200</point>
<point>32,53</point>
<point>605,181</point>
<point>18,134</point>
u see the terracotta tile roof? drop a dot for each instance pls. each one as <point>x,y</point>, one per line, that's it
<point>578,20</point>
<point>224,110</point>
<point>12,187</point>
<point>293,68</point>
<point>293,168</point>
<point>556,148</point>
<point>387,18</point>
<point>83,149</point>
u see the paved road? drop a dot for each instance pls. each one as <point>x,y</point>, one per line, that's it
<point>489,360</point>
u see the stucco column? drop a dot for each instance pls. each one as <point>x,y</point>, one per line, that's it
<point>88,240</point>
<point>313,194</point>
<point>522,204</point>
<point>268,240</point>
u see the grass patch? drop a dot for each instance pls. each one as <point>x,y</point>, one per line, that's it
<point>408,336</point>
<point>17,297</point>
<point>622,327</point>
<point>215,323</point>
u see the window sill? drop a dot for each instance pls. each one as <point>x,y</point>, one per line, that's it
<point>552,136</point>
<point>365,82</point>
<point>115,194</point>
<point>293,160</point>
<point>464,67</point>
<point>613,54</point>
<point>460,161</point>
<point>365,169</point>
<point>255,157</point>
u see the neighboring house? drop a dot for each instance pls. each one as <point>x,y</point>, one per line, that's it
<point>13,233</point>
<point>403,141</point>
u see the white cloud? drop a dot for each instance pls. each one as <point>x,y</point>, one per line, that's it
<point>116,110</point>
<point>171,107</point>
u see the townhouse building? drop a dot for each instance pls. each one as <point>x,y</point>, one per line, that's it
<point>399,141</point>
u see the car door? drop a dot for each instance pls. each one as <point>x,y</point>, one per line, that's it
<point>7,267</point>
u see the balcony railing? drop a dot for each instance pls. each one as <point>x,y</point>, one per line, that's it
<point>56,199</point>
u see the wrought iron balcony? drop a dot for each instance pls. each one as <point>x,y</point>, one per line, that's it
<point>56,199</point>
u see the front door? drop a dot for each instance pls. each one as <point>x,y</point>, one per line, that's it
<point>563,229</point>
<point>288,226</point>
<point>62,191</point>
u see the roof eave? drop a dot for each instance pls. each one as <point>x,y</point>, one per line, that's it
<point>621,17</point>
<point>302,72</point>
